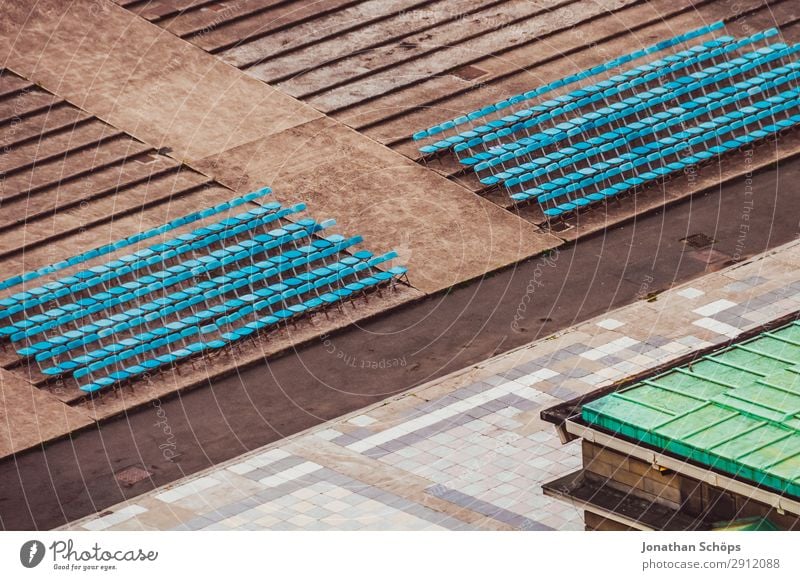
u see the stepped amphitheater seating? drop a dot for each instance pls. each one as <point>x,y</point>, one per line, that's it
<point>193,293</point>
<point>619,134</point>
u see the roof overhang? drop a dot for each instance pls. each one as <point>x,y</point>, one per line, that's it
<point>575,428</point>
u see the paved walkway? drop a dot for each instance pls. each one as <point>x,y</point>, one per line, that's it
<point>467,451</point>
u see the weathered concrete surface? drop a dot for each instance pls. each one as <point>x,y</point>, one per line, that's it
<point>29,416</point>
<point>141,79</point>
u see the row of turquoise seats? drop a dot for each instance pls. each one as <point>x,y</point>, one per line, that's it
<point>618,138</point>
<point>218,319</point>
<point>152,365</point>
<point>672,168</point>
<point>551,109</point>
<point>156,254</point>
<point>721,73</point>
<point>521,120</point>
<point>114,295</point>
<point>644,74</point>
<point>144,258</point>
<point>215,317</point>
<point>187,298</point>
<point>616,111</point>
<point>649,176</point>
<point>163,279</point>
<point>655,151</point>
<point>618,89</point>
<point>627,80</point>
<point>564,81</point>
<point>134,239</point>
<point>691,109</point>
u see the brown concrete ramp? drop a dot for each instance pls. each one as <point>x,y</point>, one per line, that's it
<point>29,416</point>
<point>140,79</point>
<point>446,234</point>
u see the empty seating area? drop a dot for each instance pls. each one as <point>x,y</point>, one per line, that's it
<point>195,292</point>
<point>685,102</point>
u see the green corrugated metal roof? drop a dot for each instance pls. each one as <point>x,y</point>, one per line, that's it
<point>736,410</point>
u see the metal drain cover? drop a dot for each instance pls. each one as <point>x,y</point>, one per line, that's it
<point>469,72</point>
<point>131,475</point>
<point>698,241</point>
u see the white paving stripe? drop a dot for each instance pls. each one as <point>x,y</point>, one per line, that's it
<point>718,327</point>
<point>610,324</point>
<point>714,307</point>
<point>290,474</point>
<point>520,387</point>
<point>690,293</point>
<point>258,461</point>
<point>610,348</point>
